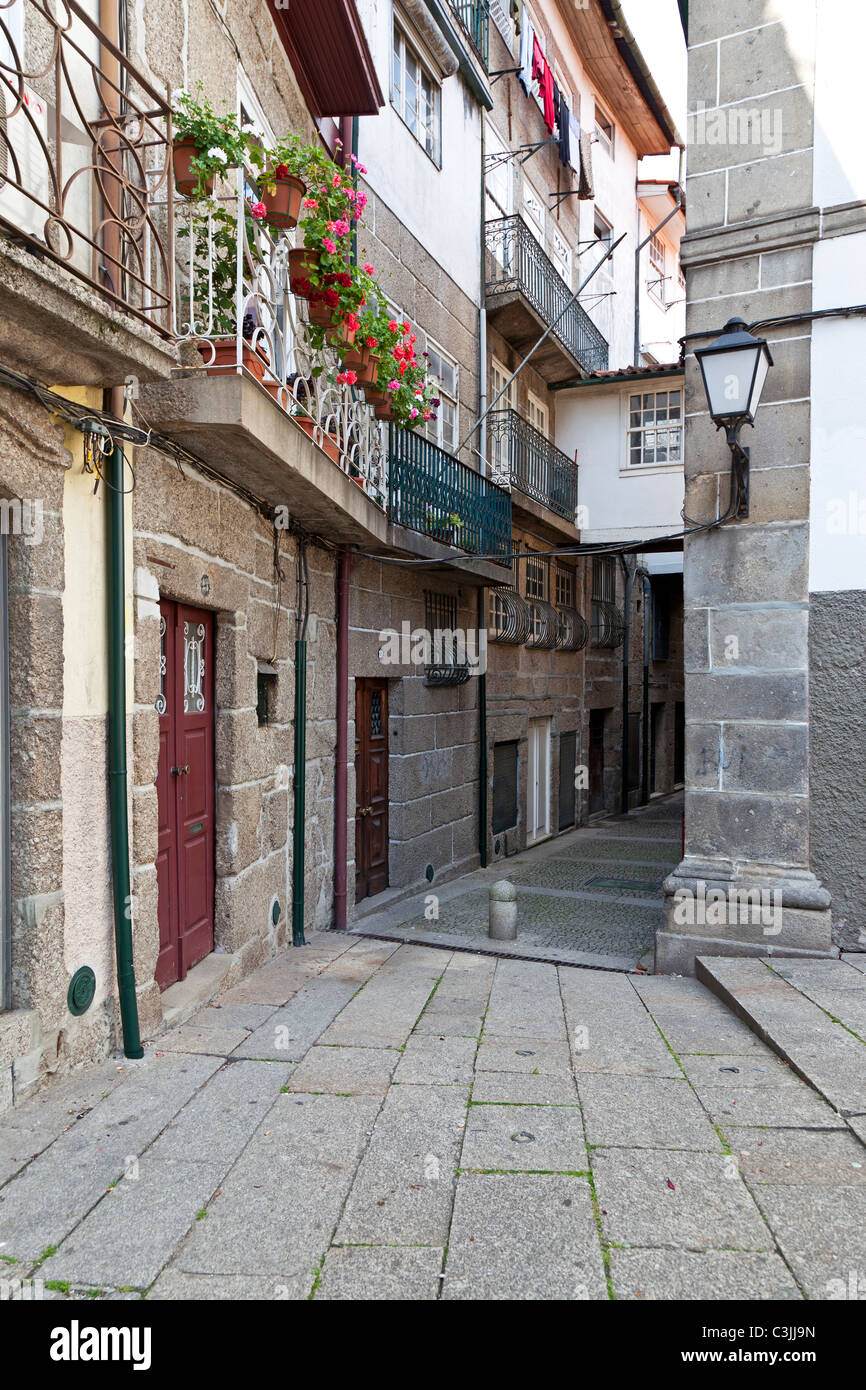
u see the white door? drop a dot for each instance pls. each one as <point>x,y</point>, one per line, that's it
<point>538,790</point>
<point>538,414</point>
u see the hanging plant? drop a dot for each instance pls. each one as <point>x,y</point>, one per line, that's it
<point>205,144</point>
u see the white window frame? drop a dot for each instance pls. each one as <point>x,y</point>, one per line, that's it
<point>607,142</point>
<point>428,123</point>
<point>435,430</point>
<point>500,174</point>
<point>566,587</point>
<point>561,254</point>
<point>538,414</point>
<point>607,241</point>
<point>658,269</point>
<point>537,225</point>
<point>654,427</point>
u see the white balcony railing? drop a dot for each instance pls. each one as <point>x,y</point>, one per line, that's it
<point>233,299</point>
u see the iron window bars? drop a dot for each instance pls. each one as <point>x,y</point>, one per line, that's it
<point>448,664</point>
<point>608,623</point>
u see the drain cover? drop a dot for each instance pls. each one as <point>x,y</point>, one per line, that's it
<point>82,988</point>
<point>625,885</point>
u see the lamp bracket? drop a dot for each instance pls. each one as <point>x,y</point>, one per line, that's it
<point>740,456</point>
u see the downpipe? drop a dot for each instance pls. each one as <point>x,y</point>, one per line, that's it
<point>300,789</point>
<point>482,736</point>
<point>341,777</point>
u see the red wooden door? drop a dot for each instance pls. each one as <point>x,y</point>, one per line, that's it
<point>371,787</point>
<point>185,791</point>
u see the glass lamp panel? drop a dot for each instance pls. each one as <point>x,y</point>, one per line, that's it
<point>728,379</point>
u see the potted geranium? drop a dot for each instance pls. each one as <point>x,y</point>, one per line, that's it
<point>205,144</point>
<point>402,392</point>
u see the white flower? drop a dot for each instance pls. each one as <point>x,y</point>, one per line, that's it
<point>249,129</point>
<point>217,153</point>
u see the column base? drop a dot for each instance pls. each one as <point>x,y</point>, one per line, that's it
<point>724,909</point>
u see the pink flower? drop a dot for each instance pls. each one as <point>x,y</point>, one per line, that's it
<point>329,245</point>
<point>413,412</point>
<point>347,378</point>
<point>426,415</point>
<point>336,181</point>
<point>361,201</point>
<point>311,204</point>
<point>393,386</point>
<point>258,211</point>
<point>369,268</point>
<point>360,168</point>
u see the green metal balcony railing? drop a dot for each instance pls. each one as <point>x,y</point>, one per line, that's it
<point>520,456</point>
<point>474,19</point>
<point>516,261</point>
<point>433,492</point>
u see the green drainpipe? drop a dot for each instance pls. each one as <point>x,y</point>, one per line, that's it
<point>117,776</point>
<point>482,738</point>
<point>300,801</point>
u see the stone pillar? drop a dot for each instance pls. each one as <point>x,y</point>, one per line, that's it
<point>748,253</point>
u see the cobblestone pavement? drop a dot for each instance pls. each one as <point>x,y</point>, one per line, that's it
<point>592,896</point>
<point>365,1120</point>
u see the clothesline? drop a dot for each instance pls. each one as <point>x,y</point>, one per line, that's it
<point>535,76</point>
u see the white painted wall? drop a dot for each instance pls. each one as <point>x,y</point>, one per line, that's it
<point>620,505</point>
<point>839,170</point>
<point>441,207</point>
<point>837,535</point>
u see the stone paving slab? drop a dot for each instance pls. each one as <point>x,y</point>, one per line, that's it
<point>216,1042</point>
<point>276,1210</point>
<point>357,1071</point>
<point>521,1088</point>
<point>646,1112</point>
<point>523,1055</point>
<point>436,1061</point>
<point>790,1106</point>
<point>245,1016</point>
<point>216,1124</point>
<point>609,1028</point>
<point>132,1232</point>
<point>383,1273</point>
<point>799,1157</point>
<point>449,1023</point>
<point>527,1138</point>
<point>526,1237</point>
<point>175,1285</point>
<point>385,1011</point>
<point>403,1192</point>
<point>856,959</point>
<point>291,1031</point>
<point>676,1201</point>
<point>48,1198</point>
<point>821,1232</point>
<point>29,1129</point>
<point>761,1068</point>
<point>717,1275</point>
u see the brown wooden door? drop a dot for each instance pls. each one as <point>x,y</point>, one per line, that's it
<point>185,791</point>
<point>371,787</point>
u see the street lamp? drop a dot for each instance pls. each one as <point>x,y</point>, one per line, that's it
<point>734,368</point>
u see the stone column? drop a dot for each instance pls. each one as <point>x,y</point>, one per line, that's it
<point>748,253</point>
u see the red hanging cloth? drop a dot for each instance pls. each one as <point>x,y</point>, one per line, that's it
<point>541,71</point>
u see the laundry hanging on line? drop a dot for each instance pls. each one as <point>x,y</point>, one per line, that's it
<point>542,74</point>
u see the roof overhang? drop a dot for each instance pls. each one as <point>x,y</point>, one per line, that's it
<point>615,65</point>
<point>330,57</point>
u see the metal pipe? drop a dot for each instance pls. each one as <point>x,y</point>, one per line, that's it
<point>628,570</point>
<point>341,772</point>
<point>115,554</point>
<point>300,794</point>
<point>482,735</point>
<point>482,319</point>
<point>647,614</point>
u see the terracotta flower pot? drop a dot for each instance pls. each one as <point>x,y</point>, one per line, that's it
<point>284,204</point>
<point>384,409</point>
<point>321,313</point>
<point>275,387</point>
<point>328,444</point>
<point>303,261</point>
<point>184,151</point>
<point>363,363</point>
<point>226,355</point>
<point>339,334</point>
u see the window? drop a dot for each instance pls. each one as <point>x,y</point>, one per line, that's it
<point>444,429</point>
<point>498,176</point>
<point>604,129</point>
<point>447,659</point>
<point>655,429</point>
<point>499,13</point>
<point>561,255</point>
<point>538,414</point>
<point>603,231</point>
<point>504,786</point>
<point>564,587</point>
<point>415,94</point>
<point>603,592</point>
<point>657,268</point>
<point>536,577</point>
<point>498,377</point>
<point>266,693</point>
<point>681,277</point>
<point>533,210</point>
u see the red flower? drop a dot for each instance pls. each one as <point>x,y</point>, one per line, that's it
<point>281,172</point>
<point>372,342</point>
<point>301,285</point>
<point>347,378</point>
<point>332,298</point>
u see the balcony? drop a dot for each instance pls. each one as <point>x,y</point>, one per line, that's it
<point>526,294</point>
<point>473,16</point>
<point>85,159</point>
<point>521,457</point>
<point>433,492</point>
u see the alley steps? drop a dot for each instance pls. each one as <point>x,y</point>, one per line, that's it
<point>811,1012</point>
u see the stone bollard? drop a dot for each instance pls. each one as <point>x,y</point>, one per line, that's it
<point>503,911</point>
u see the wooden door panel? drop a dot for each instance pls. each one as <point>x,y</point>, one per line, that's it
<point>371,779</point>
<point>167,965</point>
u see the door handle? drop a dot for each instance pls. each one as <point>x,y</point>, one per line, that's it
<point>365,810</point>
<point>179,771</point>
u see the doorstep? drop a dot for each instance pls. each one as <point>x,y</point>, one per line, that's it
<point>182,999</point>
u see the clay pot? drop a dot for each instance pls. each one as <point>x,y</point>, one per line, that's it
<point>284,204</point>
<point>328,444</point>
<point>362,362</point>
<point>303,261</point>
<point>183,152</point>
<point>226,355</point>
<point>340,335</point>
<point>321,313</point>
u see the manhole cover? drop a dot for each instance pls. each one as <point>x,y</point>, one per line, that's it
<point>624,885</point>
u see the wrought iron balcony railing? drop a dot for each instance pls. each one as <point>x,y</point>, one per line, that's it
<point>474,19</point>
<point>233,272</point>
<point>517,262</point>
<point>85,156</point>
<point>433,492</point>
<point>521,457</point>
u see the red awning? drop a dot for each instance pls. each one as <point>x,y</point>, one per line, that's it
<point>328,51</point>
